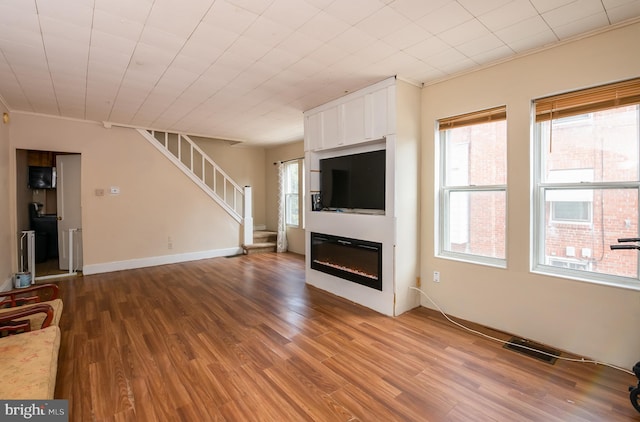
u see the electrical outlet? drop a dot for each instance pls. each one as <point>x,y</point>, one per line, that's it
<point>418,281</point>
<point>436,276</point>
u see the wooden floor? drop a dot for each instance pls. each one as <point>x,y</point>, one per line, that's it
<point>244,339</point>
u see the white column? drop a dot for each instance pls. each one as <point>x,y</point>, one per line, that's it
<point>247,217</point>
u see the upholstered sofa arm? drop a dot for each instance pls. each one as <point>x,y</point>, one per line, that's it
<point>32,294</point>
<point>16,320</point>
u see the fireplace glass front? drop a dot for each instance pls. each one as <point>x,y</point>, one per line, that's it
<point>355,260</point>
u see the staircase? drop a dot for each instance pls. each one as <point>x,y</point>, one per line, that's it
<point>205,173</point>
<point>263,241</point>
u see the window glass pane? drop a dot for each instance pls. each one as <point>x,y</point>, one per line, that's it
<point>291,210</point>
<point>571,211</point>
<point>598,147</point>
<point>586,247</point>
<point>291,186</point>
<point>476,154</point>
<point>477,223</point>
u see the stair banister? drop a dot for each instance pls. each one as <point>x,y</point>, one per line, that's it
<point>243,216</point>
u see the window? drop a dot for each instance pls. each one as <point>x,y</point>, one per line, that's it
<point>473,177</point>
<point>586,183</point>
<point>292,183</point>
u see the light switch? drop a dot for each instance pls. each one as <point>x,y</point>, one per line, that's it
<point>99,192</point>
<point>115,190</point>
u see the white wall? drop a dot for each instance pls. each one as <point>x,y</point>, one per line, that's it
<point>6,240</point>
<point>592,320</point>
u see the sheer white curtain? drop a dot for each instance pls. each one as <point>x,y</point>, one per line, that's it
<point>281,245</point>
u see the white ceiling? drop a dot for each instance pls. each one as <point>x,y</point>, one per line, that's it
<point>247,69</point>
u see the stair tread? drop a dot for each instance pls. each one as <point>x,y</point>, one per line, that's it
<point>260,245</point>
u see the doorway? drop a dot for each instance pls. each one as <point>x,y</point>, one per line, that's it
<point>48,205</point>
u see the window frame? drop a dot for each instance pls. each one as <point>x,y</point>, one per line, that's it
<point>445,191</point>
<point>568,107</point>
<point>299,195</point>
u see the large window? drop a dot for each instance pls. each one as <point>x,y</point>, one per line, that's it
<point>473,178</point>
<point>292,182</point>
<point>586,183</point>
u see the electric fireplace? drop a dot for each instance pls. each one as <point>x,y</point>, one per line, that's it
<point>359,261</point>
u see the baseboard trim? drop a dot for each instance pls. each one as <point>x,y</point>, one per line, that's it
<point>131,264</point>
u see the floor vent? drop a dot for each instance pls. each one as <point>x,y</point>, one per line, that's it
<point>531,349</point>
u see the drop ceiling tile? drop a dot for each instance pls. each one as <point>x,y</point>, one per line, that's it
<point>279,58</point>
<point>327,55</point>
<point>267,32</point>
<point>76,12</point>
<point>444,18</point>
<point>543,6</point>
<point>581,26</point>
<point>196,65</point>
<point>463,33</point>
<point>19,36</point>
<point>527,29</point>
<point>227,16</point>
<point>533,41</point>
<point>255,6</point>
<point>353,11</point>
<point>416,9</point>
<point>480,45</point>
<point>106,44</point>
<point>320,4</point>
<point>573,11</point>
<point>161,40</point>
<point>323,27</point>
<point>409,35</point>
<point>383,22</point>
<point>512,13</point>
<point>12,16</point>
<point>173,17</point>
<point>376,51</point>
<point>290,13</point>
<point>135,11</point>
<point>207,36</point>
<point>352,40</point>
<point>489,56</point>
<point>300,44</point>
<point>116,25</point>
<point>624,11</point>
<point>477,8</point>
<point>425,74</point>
<point>243,52</point>
<point>427,48</point>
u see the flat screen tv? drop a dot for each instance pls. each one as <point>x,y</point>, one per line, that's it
<point>354,182</point>
<point>42,177</point>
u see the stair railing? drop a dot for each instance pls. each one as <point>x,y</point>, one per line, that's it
<point>200,168</point>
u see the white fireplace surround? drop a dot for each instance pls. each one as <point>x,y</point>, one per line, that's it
<point>363,121</point>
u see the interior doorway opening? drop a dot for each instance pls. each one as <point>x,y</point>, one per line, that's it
<point>48,213</point>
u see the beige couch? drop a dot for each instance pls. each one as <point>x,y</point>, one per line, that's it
<point>29,359</point>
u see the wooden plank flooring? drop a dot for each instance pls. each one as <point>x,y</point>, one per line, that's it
<point>244,339</point>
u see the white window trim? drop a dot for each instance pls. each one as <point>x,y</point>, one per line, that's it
<point>441,210</point>
<point>538,227</point>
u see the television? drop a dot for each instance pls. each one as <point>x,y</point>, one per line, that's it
<point>42,177</point>
<point>353,182</point>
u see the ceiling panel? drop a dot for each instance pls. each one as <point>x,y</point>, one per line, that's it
<point>247,69</point>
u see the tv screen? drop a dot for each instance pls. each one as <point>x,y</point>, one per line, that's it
<point>354,181</point>
<point>42,177</point>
